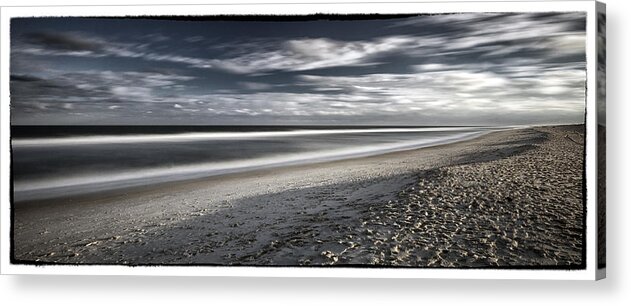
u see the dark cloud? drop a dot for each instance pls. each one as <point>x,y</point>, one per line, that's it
<point>24,78</point>
<point>63,41</point>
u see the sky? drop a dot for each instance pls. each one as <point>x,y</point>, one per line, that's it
<point>447,69</point>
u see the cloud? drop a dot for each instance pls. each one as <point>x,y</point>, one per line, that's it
<point>82,45</point>
<point>441,69</point>
<point>24,78</point>
<point>419,96</point>
<point>64,41</point>
<point>493,35</point>
<point>433,89</point>
<point>313,53</point>
<point>193,39</point>
<point>155,37</point>
<point>566,43</point>
<point>431,67</point>
<point>255,85</point>
<point>291,55</point>
<point>501,34</point>
<point>131,92</point>
<point>91,90</point>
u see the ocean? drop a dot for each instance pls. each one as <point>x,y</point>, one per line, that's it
<point>54,161</point>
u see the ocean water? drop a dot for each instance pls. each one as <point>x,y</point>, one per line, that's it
<point>51,161</point>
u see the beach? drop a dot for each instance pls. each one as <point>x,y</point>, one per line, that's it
<point>512,198</point>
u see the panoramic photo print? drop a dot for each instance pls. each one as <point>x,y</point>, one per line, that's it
<point>369,141</point>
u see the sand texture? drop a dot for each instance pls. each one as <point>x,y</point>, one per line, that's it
<point>602,196</point>
<point>507,199</point>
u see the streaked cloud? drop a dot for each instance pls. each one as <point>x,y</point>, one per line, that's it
<point>449,69</point>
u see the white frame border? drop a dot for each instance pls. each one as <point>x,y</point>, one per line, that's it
<point>589,7</point>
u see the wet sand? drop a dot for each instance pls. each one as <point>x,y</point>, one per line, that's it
<point>508,199</point>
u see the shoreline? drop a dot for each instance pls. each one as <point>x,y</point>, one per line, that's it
<point>106,188</point>
<point>153,187</point>
<point>297,215</point>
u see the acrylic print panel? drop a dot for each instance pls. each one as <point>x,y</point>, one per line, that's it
<point>602,135</point>
<point>423,142</point>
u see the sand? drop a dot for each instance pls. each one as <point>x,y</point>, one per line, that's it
<point>507,199</point>
<point>602,196</point>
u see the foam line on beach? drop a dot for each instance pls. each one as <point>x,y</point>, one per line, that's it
<point>53,187</point>
<point>205,136</point>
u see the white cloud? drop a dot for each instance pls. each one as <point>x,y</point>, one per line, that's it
<point>194,39</point>
<point>566,43</point>
<point>308,54</point>
<point>500,34</point>
<point>131,92</point>
<point>156,37</point>
<point>430,67</point>
<point>468,90</point>
<point>255,85</point>
<point>292,55</point>
<point>554,90</point>
<point>48,52</point>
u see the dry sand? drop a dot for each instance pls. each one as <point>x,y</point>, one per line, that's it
<point>510,198</point>
<point>602,196</point>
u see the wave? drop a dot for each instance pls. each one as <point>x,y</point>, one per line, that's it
<point>202,136</point>
<point>87,183</point>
